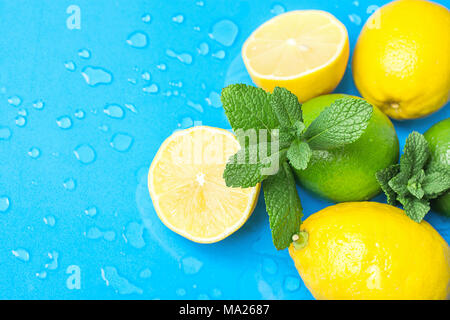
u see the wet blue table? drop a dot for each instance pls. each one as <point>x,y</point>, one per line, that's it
<point>88,91</point>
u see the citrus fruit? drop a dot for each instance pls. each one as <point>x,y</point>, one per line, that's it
<point>304,51</point>
<point>370,250</point>
<point>187,188</point>
<point>401,61</point>
<point>438,137</point>
<point>348,173</point>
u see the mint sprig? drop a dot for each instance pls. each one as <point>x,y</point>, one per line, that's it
<point>287,143</point>
<point>416,180</point>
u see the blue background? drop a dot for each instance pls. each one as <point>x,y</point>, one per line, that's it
<point>73,189</point>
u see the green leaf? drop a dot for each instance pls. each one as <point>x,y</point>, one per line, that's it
<point>384,176</point>
<point>341,123</point>
<point>299,128</point>
<point>286,106</point>
<point>437,183</point>
<point>414,185</point>
<point>299,154</point>
<point>415,154</point>
<point>415,208</point>
<point>283,206</point>
<point>248,107</point>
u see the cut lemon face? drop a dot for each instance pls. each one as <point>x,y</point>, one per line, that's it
<point>305,51</point>
<point>187,188</point>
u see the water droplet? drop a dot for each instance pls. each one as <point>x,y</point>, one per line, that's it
<point>132,80</point>
<point>84,53</point>
<point>91,211</point>
<point>21,254</point>
<point>200,3</point>
<point>104,128</point>
<point>134,235</point>
<point>196,106</point>
<point>5,133</point>
<point>114,111</point>
<point>34,153</point>
<point>277,9</point>
<point>84,153</point>
<point>21,121</point>
<point>191,265</point>
<point>178,18</point>
<point>219,54</point>
<point>109,235</point>
<point>79,114</point>
<point>224,32</point>
<point>49,220</point>
<point>22,112</point>
<point>178,84</point>
<point>214,100</point>
<point>130,107</point>
<point>161,66</point>
<point>95,76</point>
<point>14,101</point>
<point>197,28</point>
<point>146,18</point>
<point>69,184</point>
<point>145,76</point>
<point>42,274</point>
<point>180,292</point>
<point>146,273</point>
<point>186,123</point>
<point>70,65</point>
<point>203,49</point>
<point>137,40</point>
<point>153,88</point>
<point>38,104</point>
<point>269,266</point>
<point>4,203</point>
<point>120,284</point>
<point>291,283</point>
<point>64,122</point>
<point>53,264</point>
<point>355,3</point>
<point>121,142</point>
<point>182,57</point>
<point>355,18</point>
<point>95,233</point>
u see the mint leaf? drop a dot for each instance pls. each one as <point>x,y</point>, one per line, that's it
<point>415,154</point>
<point>341,123</point>
<point>248,107</point>
<point>299,154</point>
<point>414,208</point>
<point>435,184</point>
<point>414,185</point>
<point>283,206</point>
<point>299,127</point>
<point>286,107</point>
<point>384,176</point>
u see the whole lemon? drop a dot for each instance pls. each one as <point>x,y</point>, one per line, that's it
<point>401,61</point>
<point>348,173</point>
<point>438,137</point>
<point>370,250</point>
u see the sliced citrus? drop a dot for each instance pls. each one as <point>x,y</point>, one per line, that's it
<point>187,188</point>
<point>305,51</point>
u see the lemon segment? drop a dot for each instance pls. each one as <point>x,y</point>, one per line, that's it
<point>305,51</point>
<point>187,188</point>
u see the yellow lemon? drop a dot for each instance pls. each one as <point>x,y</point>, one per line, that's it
<point>304,51</point>
<point>401,61</point>
<point>187,188</point>
<point>370,250</point>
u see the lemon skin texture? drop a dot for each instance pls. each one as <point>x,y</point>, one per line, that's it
<point>401,61</point>
<point>438,137</point>
<point>348,173</point>
<point>370,250</point>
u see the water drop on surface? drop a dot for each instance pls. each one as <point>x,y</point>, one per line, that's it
<point>224,32</point>
<point>41,275</point>
<point>219,54</point>
<point>120,284</point>
<point>214,100</point>
<point>79,114</point>
<point>84,53</point>
<point>134,235</point>
<point>191,265</point>
<point>130,107</point>
<point>137,39</point>
<point>53,264</point>
<point>153,88</point>
<point>121,142</point>
<point>91,211</point>
<point>69,184</point>
<point>21,254</point>
<point>84,153</point>
<point>203,49</point>
<point>21,121</point>
<point>161,66</point>
<point>291,283</point>
<point>270,266</point>
<point>195,106</point>
<point>182,57</point>
<point>22,112</point>
<point>4,203</point>
<point>96,75</point>
<point>64,122</point>
<point>38,105</point>
<point>277,9</point>
<point>49,220</point>
<point>200,3</point>
<point>355,18</point>
<point>5,133</point>
<point>178,18</point>
<point>70,65</point>
<point>146,273</point>
<point>34,153</point>
<point>14,101</point>
<point>145,76</point>
<point>146,18</point>
<point>114,111</point>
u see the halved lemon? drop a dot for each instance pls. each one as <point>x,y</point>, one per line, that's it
<point>304,51</point>
<point>187,188</point>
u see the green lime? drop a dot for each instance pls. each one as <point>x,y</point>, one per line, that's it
<point>438,137</point>
<point>348,173</point>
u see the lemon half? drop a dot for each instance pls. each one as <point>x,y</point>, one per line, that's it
<point>187,188</point>
<point>305,51</point>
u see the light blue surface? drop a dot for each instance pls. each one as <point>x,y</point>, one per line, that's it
<point>73,190</point>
